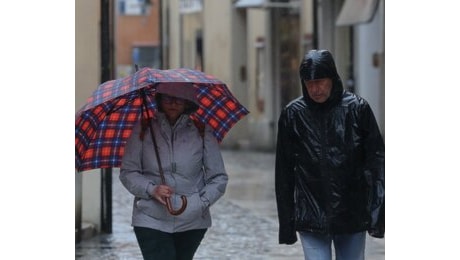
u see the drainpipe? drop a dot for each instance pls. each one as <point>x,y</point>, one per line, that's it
<point>315,24</point>
<point>106,174</point>
<point>181,38</point>
<point>160,27</point>
<point>78,199</point>
<point>351,67</point>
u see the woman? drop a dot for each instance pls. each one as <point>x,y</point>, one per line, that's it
<point>192,166</point>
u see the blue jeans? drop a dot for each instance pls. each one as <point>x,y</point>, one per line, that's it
<point>347,246</point>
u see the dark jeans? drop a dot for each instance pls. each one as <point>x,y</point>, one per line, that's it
<point>158,245</point>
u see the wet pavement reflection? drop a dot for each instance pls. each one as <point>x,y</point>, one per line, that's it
<point>244,220</point>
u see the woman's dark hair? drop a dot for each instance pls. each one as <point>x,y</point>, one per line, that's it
<point>190,106</point>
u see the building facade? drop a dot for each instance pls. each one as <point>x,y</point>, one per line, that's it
<point>255,46</point>
<point>93,65</point>
<point>137,35</point>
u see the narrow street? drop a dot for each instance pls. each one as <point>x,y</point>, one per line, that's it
<point>244,221</point>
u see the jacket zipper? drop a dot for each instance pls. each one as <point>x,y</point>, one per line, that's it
<point>323,167</point>
<point>173,163</point>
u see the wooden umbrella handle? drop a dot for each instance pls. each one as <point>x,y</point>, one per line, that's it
<point>179,211</point>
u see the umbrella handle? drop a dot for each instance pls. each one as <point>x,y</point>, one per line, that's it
<point>179,211</point>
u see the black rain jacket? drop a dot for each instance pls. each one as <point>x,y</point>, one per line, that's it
<point>329,161</point>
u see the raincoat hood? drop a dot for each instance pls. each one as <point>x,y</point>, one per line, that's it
<point>319,64</point>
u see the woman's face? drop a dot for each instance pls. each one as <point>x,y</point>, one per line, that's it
<point>173,107</point>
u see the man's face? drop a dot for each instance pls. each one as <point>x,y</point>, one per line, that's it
<point>319,89</point>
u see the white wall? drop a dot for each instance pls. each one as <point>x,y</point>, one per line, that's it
<point>87,73</point>
<point>174,34</point>
<point>369,39</point>
<point>262,116</point>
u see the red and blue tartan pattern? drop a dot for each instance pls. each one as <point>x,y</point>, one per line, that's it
<point>218,108</point>
<point>105,122</point>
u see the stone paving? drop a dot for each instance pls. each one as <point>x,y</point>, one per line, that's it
<point>244,220</point>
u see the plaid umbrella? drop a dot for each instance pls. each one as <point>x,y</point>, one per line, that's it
<point>105,122</point>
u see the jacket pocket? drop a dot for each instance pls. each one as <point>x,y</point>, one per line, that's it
<point>195,208</point>
<point>152,208</point>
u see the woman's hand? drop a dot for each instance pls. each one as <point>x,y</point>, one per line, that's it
<point>161,192</point>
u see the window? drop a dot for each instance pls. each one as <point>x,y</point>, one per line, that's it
<point>146,56</point>
<point>133,7</point>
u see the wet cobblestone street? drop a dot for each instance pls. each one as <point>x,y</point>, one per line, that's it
<point>244,226</point>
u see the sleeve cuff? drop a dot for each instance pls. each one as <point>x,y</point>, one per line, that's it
<point>149,190</point>
<point>205,201</point>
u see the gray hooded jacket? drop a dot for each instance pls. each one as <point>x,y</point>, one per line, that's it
<point>183,152</point>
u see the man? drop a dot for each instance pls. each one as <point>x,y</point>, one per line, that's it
<point>330,165</point>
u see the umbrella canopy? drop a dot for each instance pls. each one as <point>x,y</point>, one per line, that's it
<point>105,122</point>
